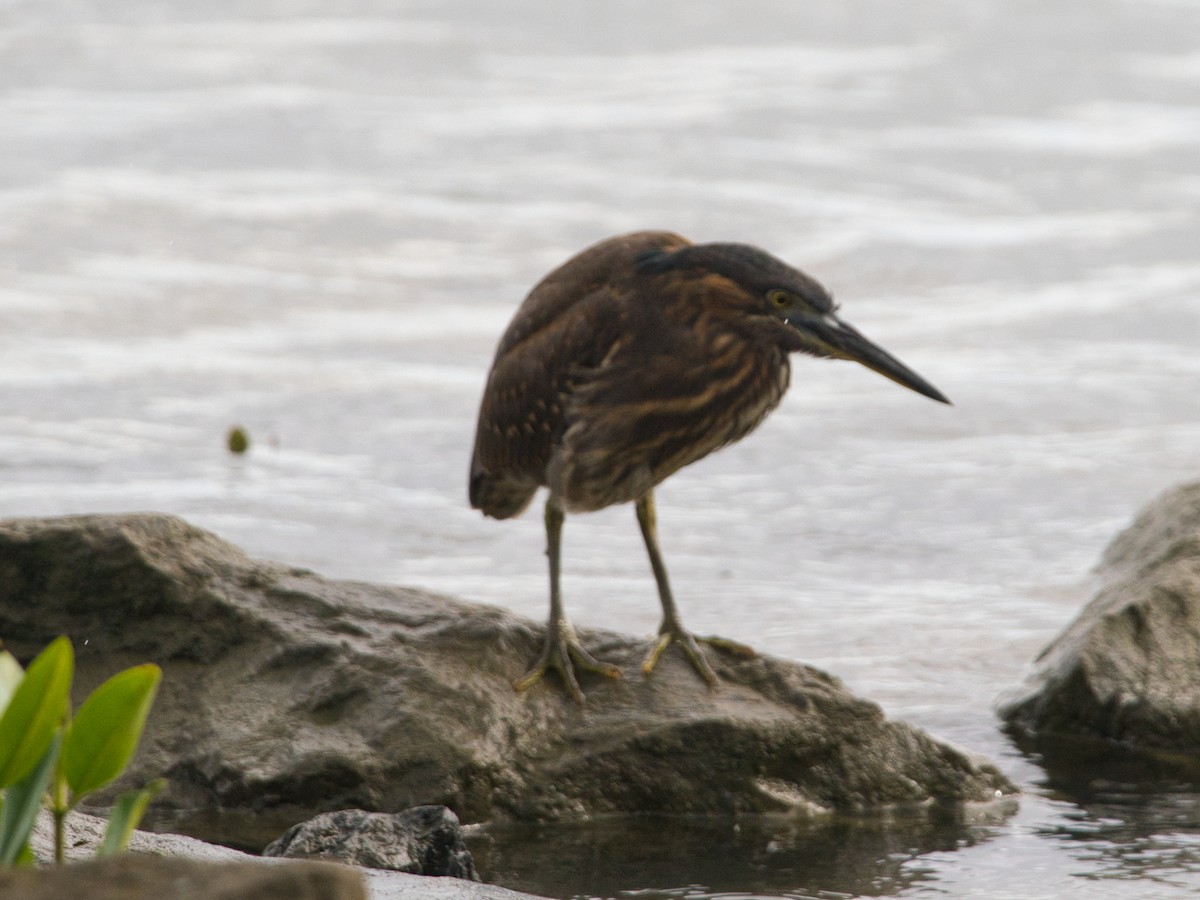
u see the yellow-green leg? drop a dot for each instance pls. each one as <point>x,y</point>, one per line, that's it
<point>562,650</point>
<point>671,630</point>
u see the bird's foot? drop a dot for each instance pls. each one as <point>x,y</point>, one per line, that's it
<point>563,652</point>
<point>670,633</point>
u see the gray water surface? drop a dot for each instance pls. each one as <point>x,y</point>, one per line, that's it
<point>315,221</point>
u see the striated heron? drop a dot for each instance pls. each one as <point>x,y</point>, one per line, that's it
<point>636,357</point>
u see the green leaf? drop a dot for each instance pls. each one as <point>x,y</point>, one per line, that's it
<point>125,816</point>
<point>21,803</point>
<point>105,731</point>
<point>35,711</point>
<point>11,674</point>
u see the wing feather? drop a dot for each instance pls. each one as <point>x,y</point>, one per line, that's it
<point>569,327</point>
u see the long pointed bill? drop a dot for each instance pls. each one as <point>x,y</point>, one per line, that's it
<point>843,341</point>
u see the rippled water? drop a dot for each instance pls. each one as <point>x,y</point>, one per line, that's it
<point>315,222</point>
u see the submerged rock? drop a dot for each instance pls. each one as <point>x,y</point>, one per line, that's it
<point>425,840</point>
<point>286,694</point>
<point>1126,671</point>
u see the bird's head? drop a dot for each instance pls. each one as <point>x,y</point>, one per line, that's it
<point>774,302</point>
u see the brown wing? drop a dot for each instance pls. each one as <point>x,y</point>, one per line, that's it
<point>567,326</point>
<point>680,386</point>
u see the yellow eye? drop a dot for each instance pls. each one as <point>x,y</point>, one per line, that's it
<point>779,299</point>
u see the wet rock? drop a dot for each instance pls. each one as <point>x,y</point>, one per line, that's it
<point>84,833</point>
<point>425,840</point>
<point>130,877</point>
<point>1124,672</point>
<point>285,694</point>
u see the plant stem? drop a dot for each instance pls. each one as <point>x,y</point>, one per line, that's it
<point>59,807</point>
<point>60,837</point>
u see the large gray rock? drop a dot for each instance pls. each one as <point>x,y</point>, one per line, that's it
<point>1126,671</point>
<point>288,695</point>
<point>424,840</point>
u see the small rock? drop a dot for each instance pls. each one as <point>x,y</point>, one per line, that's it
<point>425,840</point>
<point>130,877</point>
<point>85,833</point>
<point>1125,671</point>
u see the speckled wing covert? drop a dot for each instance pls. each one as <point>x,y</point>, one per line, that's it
<point>565,331</point>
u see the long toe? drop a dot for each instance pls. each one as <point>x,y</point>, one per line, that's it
<point>736,648</point>
<point>563,653</point>
<point>691,649</point>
